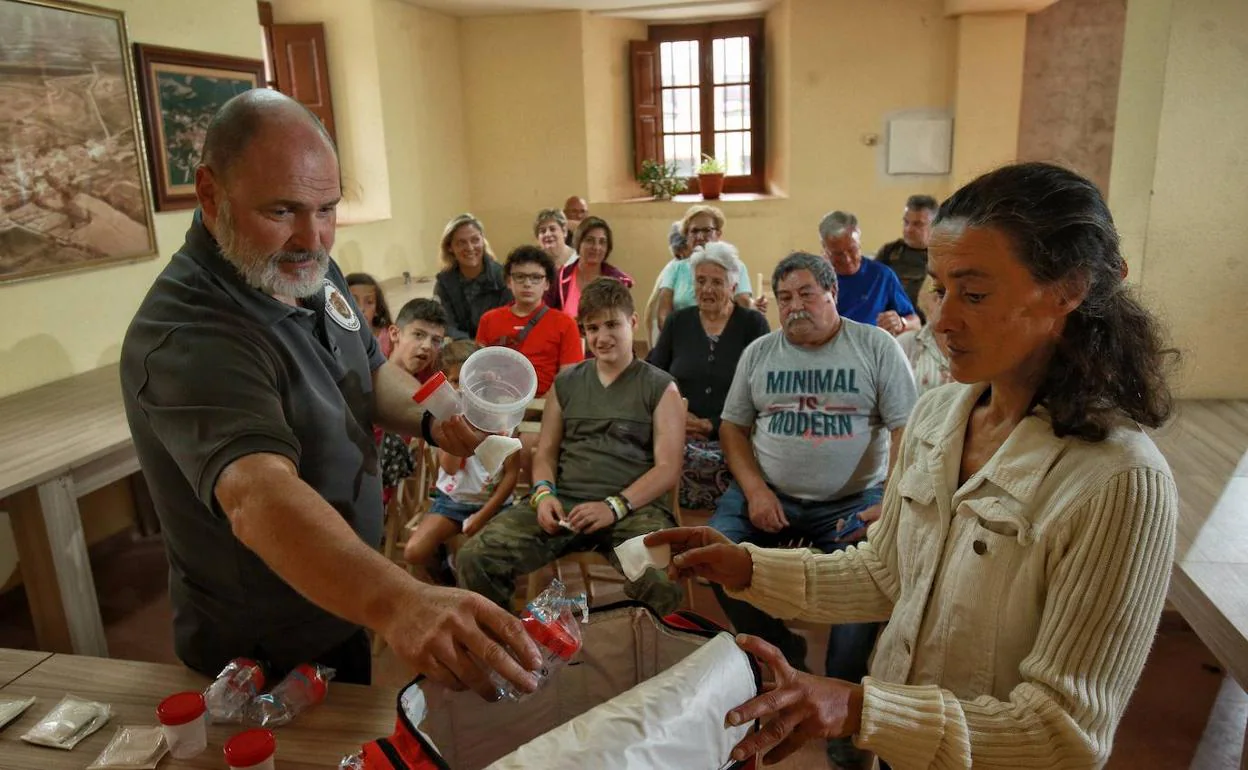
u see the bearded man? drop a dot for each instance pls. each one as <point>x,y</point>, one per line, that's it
<point>251,386</point>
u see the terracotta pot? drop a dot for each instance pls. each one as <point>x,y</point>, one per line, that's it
<point>711,185</point>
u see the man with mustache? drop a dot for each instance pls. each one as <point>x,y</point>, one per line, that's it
<point>809,430</point>
<point>251,387</point>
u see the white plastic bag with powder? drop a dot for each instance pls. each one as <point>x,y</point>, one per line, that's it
<point>68,723</point>
<point>635,558</point>
<point>12,708</point>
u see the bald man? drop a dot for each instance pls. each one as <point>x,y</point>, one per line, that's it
<point>575,209</point>
<point>251,385</point>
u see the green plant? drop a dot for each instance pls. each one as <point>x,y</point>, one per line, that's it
<point>660,179</point>
<point>711,165</point>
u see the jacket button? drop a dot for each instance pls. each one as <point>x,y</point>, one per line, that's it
<point>708,391</point>
<point>980,547</point>
<point>905,645</point>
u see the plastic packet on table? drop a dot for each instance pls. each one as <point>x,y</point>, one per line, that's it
<point>303,688</point>
<point>551,621</point>
<point>12,708</point>
<point>68,723</point>
<point>132,748</point>
<point>353,762</point>
<point>232,691</point>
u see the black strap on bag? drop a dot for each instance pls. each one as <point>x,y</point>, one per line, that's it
<point>514,342</point>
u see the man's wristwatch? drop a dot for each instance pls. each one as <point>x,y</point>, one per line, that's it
<point>426,429</point>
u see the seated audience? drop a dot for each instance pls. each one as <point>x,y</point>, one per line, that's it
<point>471,281</point>
<point>551,230</point>
<point>922,348</point>
<point>702,224</point>
<point>675,279</point>
<point>467,496</point>
<point>548,338</point>
<point>416,342</point>
<point>1028,531</point>
<point>868,292</point>
<point>575,209</point>
<point>608,454</point>
<point>814,412</point>
<point>594,243</point>
<point>371,301</point>
<point>700,346</point>
<point>907,256</point>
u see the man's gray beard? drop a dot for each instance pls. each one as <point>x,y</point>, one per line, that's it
<point>260,270</point>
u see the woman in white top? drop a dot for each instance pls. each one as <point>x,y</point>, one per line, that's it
<point>1027,533</point>
<point>928,362</point>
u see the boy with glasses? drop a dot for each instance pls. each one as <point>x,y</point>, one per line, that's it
<point>548,338</point>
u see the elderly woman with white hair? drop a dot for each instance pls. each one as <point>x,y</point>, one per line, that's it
<point>700,347</point>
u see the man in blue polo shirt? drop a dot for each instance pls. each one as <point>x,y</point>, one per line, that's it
<point>869,292</point>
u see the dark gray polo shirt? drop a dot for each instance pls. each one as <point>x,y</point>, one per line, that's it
<point>213,370</point>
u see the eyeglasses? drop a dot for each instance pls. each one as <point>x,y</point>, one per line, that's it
<point>528,279</point>
<point>699,232</point>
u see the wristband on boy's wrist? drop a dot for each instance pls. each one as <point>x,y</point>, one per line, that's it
<point>618,507</point>
<point>536,498</point>
<point>547,484</point>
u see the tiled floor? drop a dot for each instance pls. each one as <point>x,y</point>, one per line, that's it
<point>1185,713</point>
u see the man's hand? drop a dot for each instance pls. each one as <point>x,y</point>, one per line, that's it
<point>796,708</point>
<point>891,322</point>
<point>697,428</point>
<point>591,517</point>
<point>475,523</point>
<point>449,635</point>
<point>456,437</point>
<point>549,514</point>
<point>765,510</point>
<point>706,553</point>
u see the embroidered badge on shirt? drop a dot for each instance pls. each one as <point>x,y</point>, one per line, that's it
<point>339,309</point>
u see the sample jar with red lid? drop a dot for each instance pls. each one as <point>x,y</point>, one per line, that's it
<point>251,750</point>
<point>182,720</point>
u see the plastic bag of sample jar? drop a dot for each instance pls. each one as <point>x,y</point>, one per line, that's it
<point>12,708</point>
<point>68,723</point>
<point>132,748</point>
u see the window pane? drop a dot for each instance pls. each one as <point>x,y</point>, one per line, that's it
<point>732,108</point>
<point>681,111</point>
<point>730,59</point>
<point>679,61</point>
<point>680,149</point>
<point>734,149</point>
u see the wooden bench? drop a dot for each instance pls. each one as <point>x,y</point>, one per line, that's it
<point>1206,445</point>
<point>58,443</point>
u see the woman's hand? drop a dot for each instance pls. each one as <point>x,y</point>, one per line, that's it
<point>706,553</point>
<point>591,517</point>
<point>796,707</point>
<point>697,428</point>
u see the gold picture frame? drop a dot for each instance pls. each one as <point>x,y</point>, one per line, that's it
<point>74,187</point>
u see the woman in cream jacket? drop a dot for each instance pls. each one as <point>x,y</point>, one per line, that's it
<point>1024,549</point>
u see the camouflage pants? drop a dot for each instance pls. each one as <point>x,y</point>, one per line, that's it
<point>514,544</point>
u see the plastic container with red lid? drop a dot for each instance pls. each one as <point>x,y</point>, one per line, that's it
<point>182,720</point>
<point>437,395</point>
<point>251,750</point>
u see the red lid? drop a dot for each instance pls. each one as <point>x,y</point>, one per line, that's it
<point>316,682</point>
<point>180,708</point>
<point>429,386</point>
<point>553,637</point>
<point>255,672</point>
<point>250,747</point>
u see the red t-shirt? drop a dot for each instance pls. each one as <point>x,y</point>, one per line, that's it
<point>552,343</point>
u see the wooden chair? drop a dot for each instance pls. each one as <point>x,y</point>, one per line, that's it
<point>410,502</point>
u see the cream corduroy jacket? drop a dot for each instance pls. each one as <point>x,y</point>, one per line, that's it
<point>1021,605</point>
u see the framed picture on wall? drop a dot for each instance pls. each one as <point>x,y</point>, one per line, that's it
<point>73,181</point>
<point>181,92</point>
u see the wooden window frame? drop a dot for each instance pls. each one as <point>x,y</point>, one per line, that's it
<point>705,33</point>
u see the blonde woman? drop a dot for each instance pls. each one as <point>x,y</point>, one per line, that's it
<point>471,281</point>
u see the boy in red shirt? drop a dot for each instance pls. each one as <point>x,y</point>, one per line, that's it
<point>549,338</point>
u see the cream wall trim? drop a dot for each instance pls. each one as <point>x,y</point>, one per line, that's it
<point>989,92</point>
<point>960,7</point>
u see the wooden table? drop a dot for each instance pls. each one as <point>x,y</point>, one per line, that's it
<point>14,663</point>
<point>1207,447</point>
<point>59,442</point>
<point>350,716</point>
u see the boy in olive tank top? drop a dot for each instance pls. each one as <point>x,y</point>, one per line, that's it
<point>610,450</point>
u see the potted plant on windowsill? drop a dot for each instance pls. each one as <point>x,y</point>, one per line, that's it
<point>660,180</point>
<point>711,177</point>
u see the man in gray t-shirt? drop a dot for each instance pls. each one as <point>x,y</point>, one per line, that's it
<point>812,420</point>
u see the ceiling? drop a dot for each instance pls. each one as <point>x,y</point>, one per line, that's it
<point>647,10</point>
